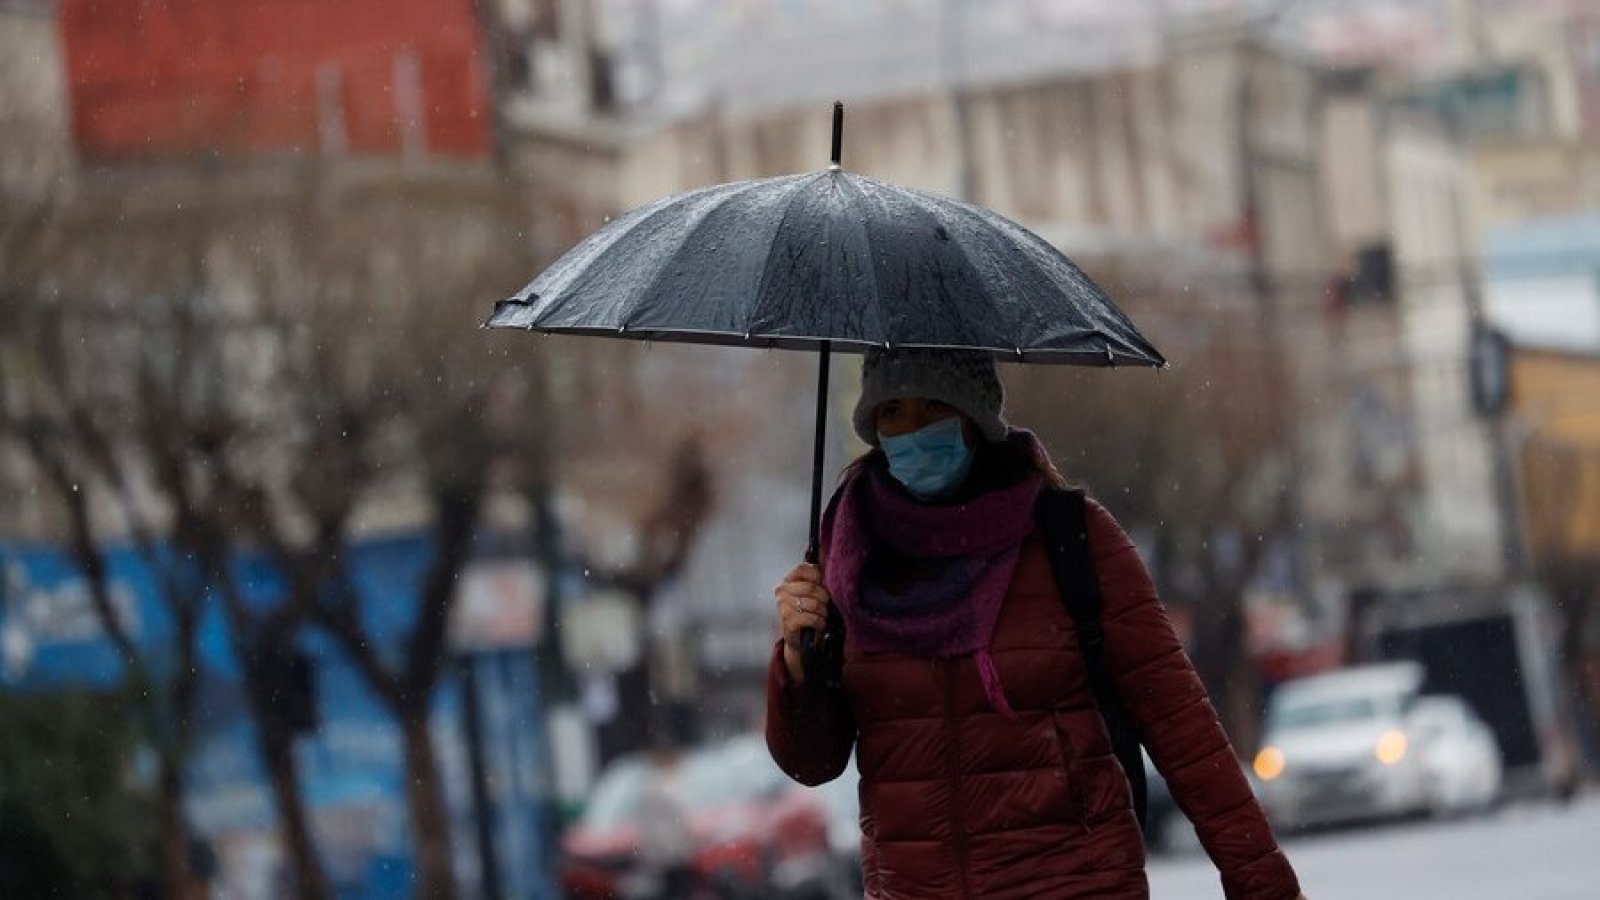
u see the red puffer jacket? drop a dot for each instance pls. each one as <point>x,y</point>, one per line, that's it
<point>958,800</point>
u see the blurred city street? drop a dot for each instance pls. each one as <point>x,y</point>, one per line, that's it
<point>1537,850</point>
<point>313,586</point>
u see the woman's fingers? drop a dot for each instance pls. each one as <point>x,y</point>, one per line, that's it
<point>796,622</point>
<point>804,584</point>
<point>802,602</point>
<point>794,619</point>
<point>803,590</point>
<point>805,573</point>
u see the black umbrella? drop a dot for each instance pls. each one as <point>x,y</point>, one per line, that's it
<point>828,260</point>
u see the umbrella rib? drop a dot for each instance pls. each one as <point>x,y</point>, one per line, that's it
<point>872,263</point>
<point>1045,318</point>
<point>1021,237</point>
<point>622,230</point>
<point>772,248</point>
<point>961,250</point>
<point>684,245</point>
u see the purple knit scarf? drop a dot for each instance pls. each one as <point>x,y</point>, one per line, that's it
<point>964,553</point>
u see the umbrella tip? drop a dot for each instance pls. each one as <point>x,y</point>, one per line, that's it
<point>838,134</point>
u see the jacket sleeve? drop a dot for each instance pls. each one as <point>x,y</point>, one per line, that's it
<point>810,731</point>
<point>1177,723</point>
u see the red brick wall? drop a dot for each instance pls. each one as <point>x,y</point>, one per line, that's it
<point>165,78</point>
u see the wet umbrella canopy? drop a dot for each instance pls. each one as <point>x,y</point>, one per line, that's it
<point>828,260</point>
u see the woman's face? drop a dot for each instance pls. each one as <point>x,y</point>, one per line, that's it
<point>904,415</point>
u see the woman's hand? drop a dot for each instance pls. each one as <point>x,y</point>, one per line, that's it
<point>802,604</point>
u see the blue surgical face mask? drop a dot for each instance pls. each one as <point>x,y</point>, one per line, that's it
<point>930,462</point>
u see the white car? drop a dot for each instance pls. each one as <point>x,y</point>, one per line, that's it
<point>1460,754</point>
<point>1364,743</point>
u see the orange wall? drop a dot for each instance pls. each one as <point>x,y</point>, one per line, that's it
<point>1557,398</point>
<point>183,78</point>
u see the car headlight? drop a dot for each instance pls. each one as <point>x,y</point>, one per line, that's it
<point>1391,747</point>
<point>1269,763</point>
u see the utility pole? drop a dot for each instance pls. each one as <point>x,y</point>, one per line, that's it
<point>1490,361</point>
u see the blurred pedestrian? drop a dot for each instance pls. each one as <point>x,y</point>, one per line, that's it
<point>666,843</point>
<point>986,770</point>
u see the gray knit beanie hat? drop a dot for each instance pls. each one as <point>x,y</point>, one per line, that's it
<point>964,379</point>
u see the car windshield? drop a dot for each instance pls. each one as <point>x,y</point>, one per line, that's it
<point>1313,714</point>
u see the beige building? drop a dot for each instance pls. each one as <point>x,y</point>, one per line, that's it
<point>1438,290</point>
<point>1397,189</point>
<point>37,151</point>
<point>36,170</point>
<point>1518,180</point>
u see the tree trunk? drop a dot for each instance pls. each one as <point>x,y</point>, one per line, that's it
<point>1222,663</point>
<point>275,745</point>
<point>629,729</point>
<point>1575,603</point>
<point>425,804</point>
<point>180,883</point>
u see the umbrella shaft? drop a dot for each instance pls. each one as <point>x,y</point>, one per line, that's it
<point>812,653</point>
<point>819,451</point>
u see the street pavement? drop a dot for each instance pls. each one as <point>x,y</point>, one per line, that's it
<point>1528,852</point>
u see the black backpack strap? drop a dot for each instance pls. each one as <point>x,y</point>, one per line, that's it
<point>1064,524</point>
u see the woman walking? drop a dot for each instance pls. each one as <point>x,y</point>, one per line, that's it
<point>986,770</point>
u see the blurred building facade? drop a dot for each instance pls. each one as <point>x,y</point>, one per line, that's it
<point>1516,97</point>
<point>1334,210</point>
<point>1341,213</point>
